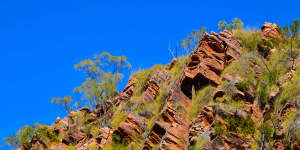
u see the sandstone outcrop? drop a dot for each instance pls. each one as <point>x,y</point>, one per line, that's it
<point>208,60</point>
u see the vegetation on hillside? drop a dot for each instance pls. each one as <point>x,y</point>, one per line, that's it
<point>260,70</point>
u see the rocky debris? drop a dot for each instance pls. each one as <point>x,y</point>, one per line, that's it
<point>85,144</point>
<point>154,84</point>
<point>230,142</point>
<point>208,60</point>
<point>201,123</point>
<point>61,125</point>
<point>134,125</point>
<point>104,137</point>
<point>60,146</point>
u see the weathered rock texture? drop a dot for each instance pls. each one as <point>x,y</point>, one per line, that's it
<point>154,84</point>
<point>209,59</point>
<point>171,128</point>
<point>269,31</point>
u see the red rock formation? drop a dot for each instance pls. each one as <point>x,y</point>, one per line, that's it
<point>230,142</point>
<point>209,59</point>
<point>104,137</point>
<point>134,125</point>
<point>269,30</point>
<point>154,84</point>
<point>171,130</point>
<point>202,123</point>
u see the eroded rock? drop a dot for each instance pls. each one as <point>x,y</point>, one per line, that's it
<point>208,60</point>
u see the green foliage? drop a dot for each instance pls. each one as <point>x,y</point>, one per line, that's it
<point>241,68</point>
<point>118,117</point>
<point>199,144</point>
<point>202,98</point>
<point>290,92</point>
<point>266,130</point>
<point>177,69</point>
<point>229,88</point>
<point>142,77</point>
<point>92,129</point>
<point>292,30</point>
<point>154,109</point>
<point>236,24</point>
<point>65,102</point>
<point>116,144</point>
<point>103,76</point>
<point>93,146</point>
<point>243,85</point>
<point>192,39</point>
<point>222,25</point>
<point>27,133</point>
<point>12,141</point>
<point>248,39</point>
<point>233,124</point>
<point>245,127</point>
<point>71,147</point>
<point>218,129</point>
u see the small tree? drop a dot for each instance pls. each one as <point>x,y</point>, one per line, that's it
<point>292,32</point>
<point>236,24</point>
<point>192,39</point>
<point>104,73</point>
<point>12,141</point>
<point>65,102</point>
<point>222,25</point>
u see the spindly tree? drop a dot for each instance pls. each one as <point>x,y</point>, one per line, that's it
<point>236,24</point>
<point>12,141</point>
<point>292,31</point>
<point>222,25</point>
<point>192,39</point>
<point>66,102</point>
<point>104,73</point>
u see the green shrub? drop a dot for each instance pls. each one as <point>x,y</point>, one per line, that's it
<point>177,69</point>
<point>199,145</point>
<point>27,133</point>
<point>118,117</point>
<point>248,39</point>
<point>290,92</point>
<point>71,147</point>
<point>93,146</point>
<point>116,144</point>
<point>201,98</point>
<point>266,130</point>
<point>233,124</point>
<point>143,77</point>
<point>218,129</point>
<point>243,85</point>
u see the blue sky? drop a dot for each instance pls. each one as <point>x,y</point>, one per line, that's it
<point>40,41</point>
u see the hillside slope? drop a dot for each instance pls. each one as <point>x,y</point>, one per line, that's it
<point>236,90</point>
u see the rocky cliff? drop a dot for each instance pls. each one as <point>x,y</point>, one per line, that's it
<point>219,97</point>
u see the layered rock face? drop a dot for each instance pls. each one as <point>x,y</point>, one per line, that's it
<point>214,52</point>
<point>172,128</point>
<point>153,85</point>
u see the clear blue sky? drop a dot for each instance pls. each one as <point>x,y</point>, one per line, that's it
<point>40,41</point>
